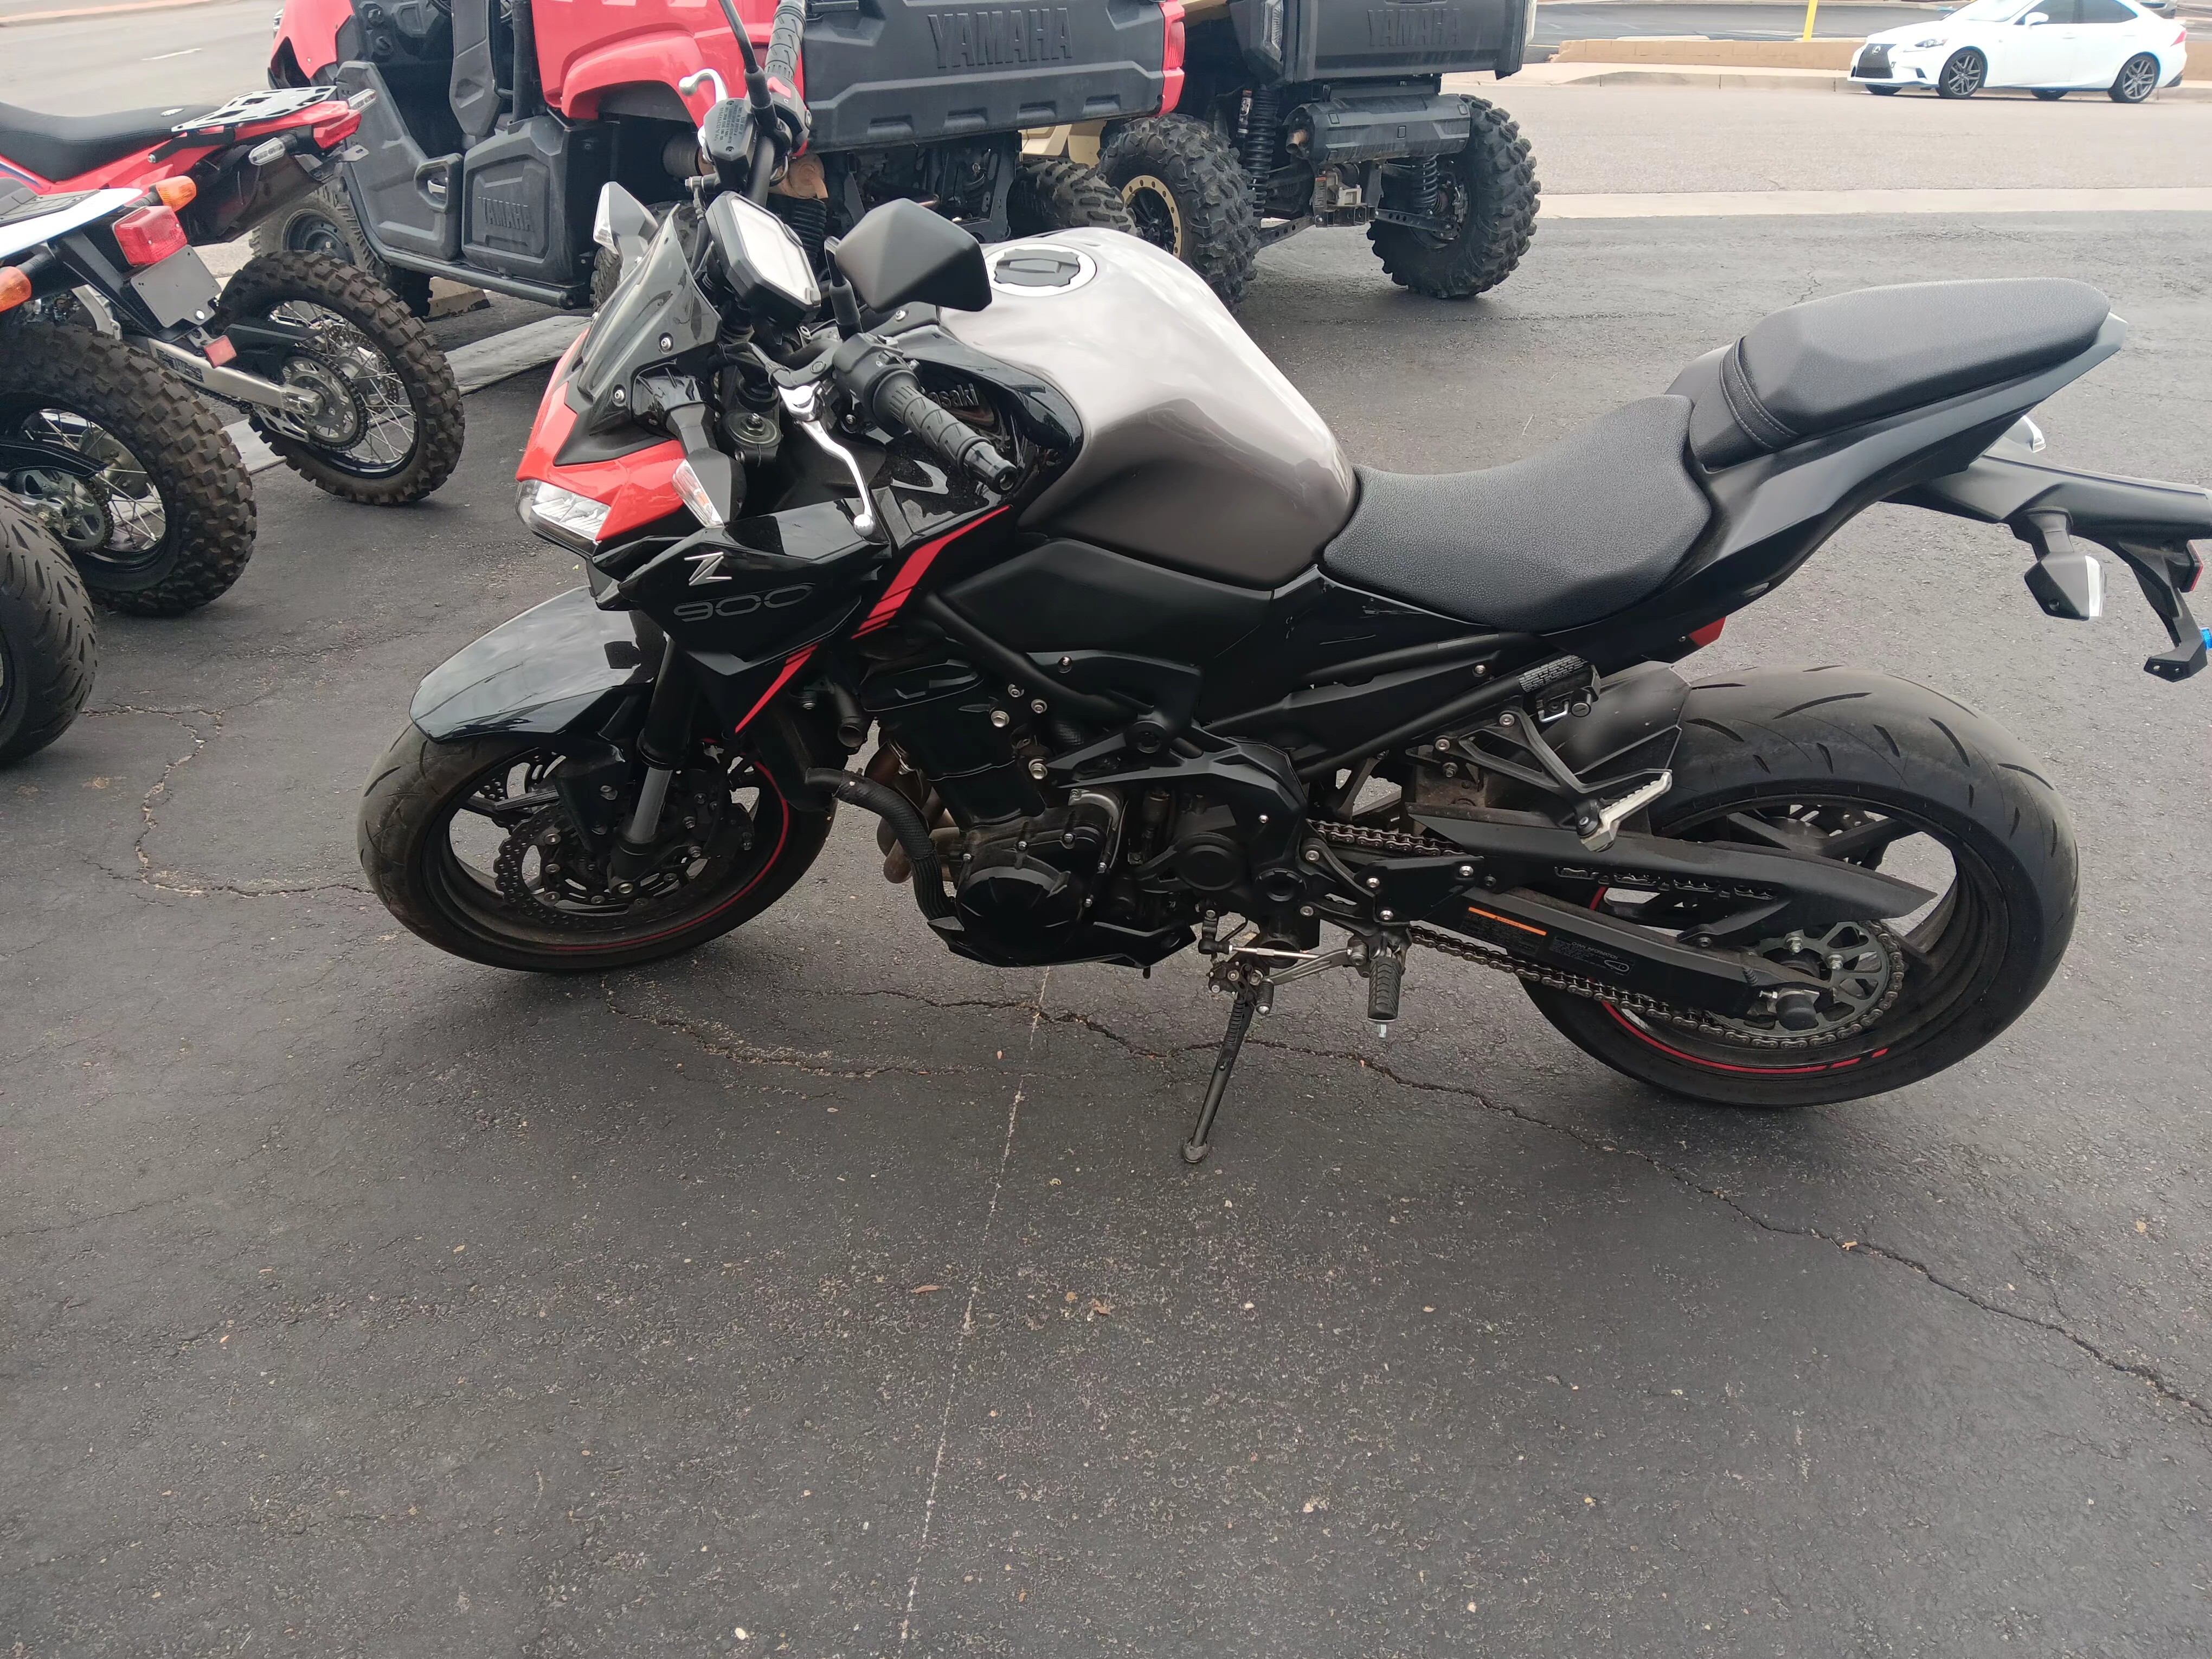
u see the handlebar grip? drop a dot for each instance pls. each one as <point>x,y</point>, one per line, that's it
<point>900,401</point>
<point>786,38</point>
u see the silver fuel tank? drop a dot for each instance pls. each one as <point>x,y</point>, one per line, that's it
<point>1196,452</point>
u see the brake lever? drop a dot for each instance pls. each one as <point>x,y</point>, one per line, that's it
<point>801,403</point>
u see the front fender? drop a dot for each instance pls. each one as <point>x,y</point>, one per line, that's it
<point>564,666</point>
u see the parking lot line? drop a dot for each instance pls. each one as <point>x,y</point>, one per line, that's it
<point>1743,203</point>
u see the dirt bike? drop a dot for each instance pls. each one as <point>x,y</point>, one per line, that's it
<point>48,648</point>
<point>346,388</point>
<point>1137,680</point>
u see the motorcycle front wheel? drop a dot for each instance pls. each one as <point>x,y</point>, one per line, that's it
<point>133,475</point>
<point>477,846</point>
<point>1841,764</point>
<point>388,425</point>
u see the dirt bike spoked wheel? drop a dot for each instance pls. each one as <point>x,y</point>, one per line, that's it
<point>1839,764</point>
<point>473,845</point>
<point>47,650</point>
<point>132,474</point>
<point>387,425</point>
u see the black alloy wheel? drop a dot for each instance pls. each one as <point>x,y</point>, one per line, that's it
<point>1962,74</point>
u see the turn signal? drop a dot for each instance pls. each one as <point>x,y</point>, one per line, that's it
<point>14,287</point>
<point>176,193</point>
<point>148,235</point>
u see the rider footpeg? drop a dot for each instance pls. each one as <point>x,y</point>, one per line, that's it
<point>1386,971</point>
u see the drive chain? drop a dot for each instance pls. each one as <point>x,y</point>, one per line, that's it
<point>1404,844</point>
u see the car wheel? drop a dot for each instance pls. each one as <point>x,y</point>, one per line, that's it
<point>1962,74</point>
<point>1885,92</point>
<point>2138,79</point>
<point>2050,95</point>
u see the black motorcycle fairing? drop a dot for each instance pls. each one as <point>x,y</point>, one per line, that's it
<point>1076,596</point>
<point>562,667</point>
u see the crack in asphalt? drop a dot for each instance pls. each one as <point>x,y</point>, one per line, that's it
<point>168,881</point>
<point>723,1043</point>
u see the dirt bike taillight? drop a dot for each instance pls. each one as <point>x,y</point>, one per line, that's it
<point>148,234</point>
<point>14,287</point>
<point>336,131</point>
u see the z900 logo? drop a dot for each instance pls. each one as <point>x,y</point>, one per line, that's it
<point>742,605</point>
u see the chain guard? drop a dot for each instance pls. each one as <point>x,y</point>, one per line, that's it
<point>1400,843</point>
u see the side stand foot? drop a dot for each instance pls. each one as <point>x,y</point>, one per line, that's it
<point>1225,1061</point>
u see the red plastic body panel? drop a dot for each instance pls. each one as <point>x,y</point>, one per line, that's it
<point>310,27</point>
<point>637,488</point>
<point>586,49</point>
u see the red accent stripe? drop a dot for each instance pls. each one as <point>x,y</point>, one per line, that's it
<point>1713,1064</point>
<point>911,572</point>
<point>797,661</point>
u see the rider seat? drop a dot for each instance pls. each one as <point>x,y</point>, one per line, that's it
<point>1835,362</point>
<point>59,146</point>
<point>1573,534</point>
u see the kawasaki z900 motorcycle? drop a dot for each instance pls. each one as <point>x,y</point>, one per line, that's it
<point>1145,662</point>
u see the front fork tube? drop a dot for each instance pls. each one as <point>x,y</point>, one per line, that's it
<point>660,744</point>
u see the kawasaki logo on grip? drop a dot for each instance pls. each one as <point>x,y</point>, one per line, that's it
<point>975,37</point>
<point>1413,28</point>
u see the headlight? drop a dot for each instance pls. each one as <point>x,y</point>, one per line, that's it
<point>1932,40</point>
<point>560,516</point>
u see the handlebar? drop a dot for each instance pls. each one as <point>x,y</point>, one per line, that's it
<point>883,384</point>
<point>785,39</point>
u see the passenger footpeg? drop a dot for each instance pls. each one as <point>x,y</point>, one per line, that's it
<point>1604,824</point>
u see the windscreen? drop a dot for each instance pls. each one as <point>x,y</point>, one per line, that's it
<point>657,312</point>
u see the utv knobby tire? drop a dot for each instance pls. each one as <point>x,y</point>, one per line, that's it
<point>206,494</point>
<point>48,646</point>
<point>404,808</point>
<point>1055,192</point>
<point>1186,192</point>
<point>1498,179</point>
<point>1900,748</point>
<point>324,222</point>
<point>434,397</point>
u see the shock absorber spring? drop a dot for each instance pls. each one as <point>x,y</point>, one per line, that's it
<point>1425,202</point>
<point>1262,126</point>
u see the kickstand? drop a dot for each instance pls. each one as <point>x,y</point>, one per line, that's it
<point>1249,994</point>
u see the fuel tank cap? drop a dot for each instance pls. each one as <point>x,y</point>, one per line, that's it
<point>1038,268</point>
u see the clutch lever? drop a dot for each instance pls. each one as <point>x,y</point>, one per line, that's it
<point>801,403</point>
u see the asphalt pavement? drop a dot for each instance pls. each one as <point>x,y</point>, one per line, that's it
<point>1573,19</point>
<point>821,1294</point>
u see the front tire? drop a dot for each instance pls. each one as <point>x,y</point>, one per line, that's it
<point>1885,92</point>
<point>1962,74</point>
<point>1491,192</point>
<point>1186,193</point>
<point>134,474</point>
<point>1796,758</point>
<point>428,852</point>
<point>325,223</point>
<point>2137,80</point>
<point>391,429</point>
<point>47,643</point>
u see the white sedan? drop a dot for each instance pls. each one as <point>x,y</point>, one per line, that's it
<point>2050,46</point>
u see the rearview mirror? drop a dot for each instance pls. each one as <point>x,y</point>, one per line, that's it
<point>621,224</point>
<point>901,252</point>
<point>2035,17</point>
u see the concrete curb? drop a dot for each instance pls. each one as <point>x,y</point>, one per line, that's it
<point>1722,78</point>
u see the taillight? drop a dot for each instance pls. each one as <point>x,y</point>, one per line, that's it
<point>14,287</point>
<point>336,131</point>
<point>176,193</point>
<point>1171,51</point>
<point>148,234</point>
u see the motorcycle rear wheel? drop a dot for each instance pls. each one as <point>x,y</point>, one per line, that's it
<point>1845,764</point>
<point>462,859</point>
<point>394,408</point>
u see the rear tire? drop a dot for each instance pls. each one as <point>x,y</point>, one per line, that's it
<point>405,836</point>
<point>1973,964</point>
<point>47,643</point>
<point>362,317</point>
<point>1186,193</point>
<point>1054,192</point>
<point>1962,74</point>
<point>1495,180</point>
<point>178,485</point>
<point>324,222</point>
<point>2137,80</point>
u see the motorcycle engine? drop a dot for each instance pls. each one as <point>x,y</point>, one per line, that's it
<point>1028,884</point>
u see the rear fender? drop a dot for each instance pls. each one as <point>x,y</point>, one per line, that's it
<point>2147,526</point>
<point>564,669</point>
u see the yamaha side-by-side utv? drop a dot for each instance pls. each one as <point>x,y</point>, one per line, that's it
<point>498,121</point>
<point>1302,113</point>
